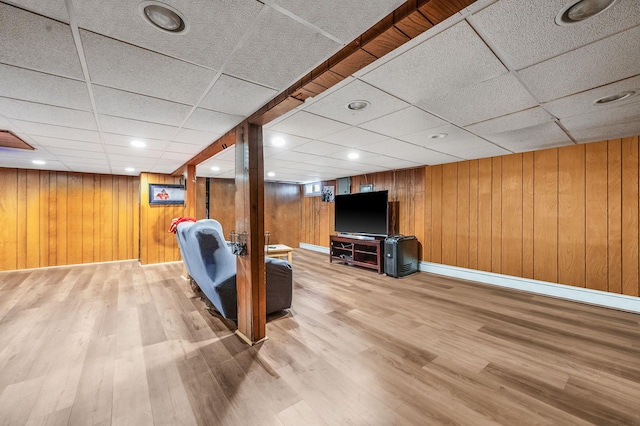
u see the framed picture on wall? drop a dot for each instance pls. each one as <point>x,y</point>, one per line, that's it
<point>160,193</point>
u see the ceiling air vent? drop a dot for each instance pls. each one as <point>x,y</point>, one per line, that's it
<point>9,140</point>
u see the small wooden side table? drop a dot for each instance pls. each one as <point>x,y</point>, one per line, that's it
<point>279,251</point>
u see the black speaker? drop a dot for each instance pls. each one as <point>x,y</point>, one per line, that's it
<point>400,255</point>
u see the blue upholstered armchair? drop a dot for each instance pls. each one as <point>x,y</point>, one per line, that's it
<point>212,266</point>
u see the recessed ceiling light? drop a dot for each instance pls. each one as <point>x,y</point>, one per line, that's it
<point>271,174</point>
<point>353,155</point>
<point>163,17</point>
<point>215,168</point>
<point>138,144</point>
<point>277,141</point>
<point>38,162</point>
<point>130,169</point>
<point>438,136</point>
<point>578,11</point>
<point>614,98</point>
<point>358,105</point>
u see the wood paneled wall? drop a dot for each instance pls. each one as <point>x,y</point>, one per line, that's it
<point>156,243</point>
<point>58,218</point>
<point>281,209</point>
<point>282,213</point>
<point>555,215</point>
<point>317,221</point>
<point>568,215</point>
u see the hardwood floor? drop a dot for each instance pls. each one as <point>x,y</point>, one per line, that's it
<point>128,345</point>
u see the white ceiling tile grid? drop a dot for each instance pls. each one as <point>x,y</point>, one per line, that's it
<point>38,43</point>
<point>212,121</point>
<point>123,66</point>
<point>47,114</point>
<point>593,65</point>
<point>336,105</point>
<point>237,97</point>
<point>447,62</point>
<point>403,122</point>
<point>278,51</point>
<point>214,27</point>
<point>506,123</point>
<point>525,32</point>
<point>489,99</point>
<point>541,136</point>
<point>20,83</point>
<point>141,129</point>
<point>354,137</point>
<point>308,125</point>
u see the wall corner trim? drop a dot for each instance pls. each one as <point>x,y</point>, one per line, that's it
<point>561,291</point>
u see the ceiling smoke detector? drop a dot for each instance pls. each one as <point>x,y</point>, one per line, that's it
<point>614,98</point>
<point>162,17</point>
<point>582,10</point>
<point>358,105</point>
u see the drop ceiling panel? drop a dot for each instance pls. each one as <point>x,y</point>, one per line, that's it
<point>485,151</point>
<point>30,111</point>
<point>489,99</point>
<point>123,126</point>
<point>344,20</point>
<point>335,105</point>
<point>429,157</point>
<point>19,83</point>
<point>138,107</point>
<point>123,66</point>
<point>608,132</point>
<point>319,148</point>
<point>525,32</point>
<point>541,136</point>
<point>238,97</point>
<point>396,164</point>
<point>134,161</point>
<point>48,142</point>
<point>279,50</point>
<point>228,154</point>
<point>457,146</point>
<point>25,163</point>
<point>55,9</point>
<point>89,168</point>
<point>39,129</point>
<point>86,150</point>
<point>506,123</point>
<point>185,148</point>
<point>125,141</point>
<point>290,141</point>
<point>582,125</point>
<point>391,147</point>
<point>354,138</point>
<point>583,103</point>
<point>212,121</point>
<point>424,138</point>
<point>308,125</point>
<point>196,137</point>
<point>175,156</point>
<point>612,59</point>
<point>450,61</point>
<point>215,27</point>
<point>37,43</point>
<point>297,157</point>
<point>132,152</point>
<point>403,122</point>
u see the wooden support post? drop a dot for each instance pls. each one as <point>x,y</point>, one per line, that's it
<point>250,278</point>
<point>190,187</point>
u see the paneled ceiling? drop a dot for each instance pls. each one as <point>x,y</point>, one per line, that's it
<point>80,80</point>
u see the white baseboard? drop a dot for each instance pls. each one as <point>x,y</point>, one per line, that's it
<point>313,247</point>
<point>577,294</point>
<point>70,265</point>
<point>561,291</point>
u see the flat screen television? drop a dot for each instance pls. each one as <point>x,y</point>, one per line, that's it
<point>365,213</point>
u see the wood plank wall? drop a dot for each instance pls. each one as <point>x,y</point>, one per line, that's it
<point>567,215</point>
<point>156,243</point>
<point>317,219</point>
<point>58,218</point>
<point>281,209</point>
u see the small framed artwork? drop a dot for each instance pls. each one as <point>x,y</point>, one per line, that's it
<point>328,194</point>
<point>366,188</point>
<point>166,194</point>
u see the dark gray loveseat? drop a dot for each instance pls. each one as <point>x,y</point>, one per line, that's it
<point>212,266</point>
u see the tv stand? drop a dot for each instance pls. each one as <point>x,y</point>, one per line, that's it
<point>355,251</point>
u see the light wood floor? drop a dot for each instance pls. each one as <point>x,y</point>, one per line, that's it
<point>128,345</point>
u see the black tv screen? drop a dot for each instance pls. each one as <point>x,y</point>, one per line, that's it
<point>362,213</point>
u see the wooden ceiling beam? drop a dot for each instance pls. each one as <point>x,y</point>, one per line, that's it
<point>405,23</point>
